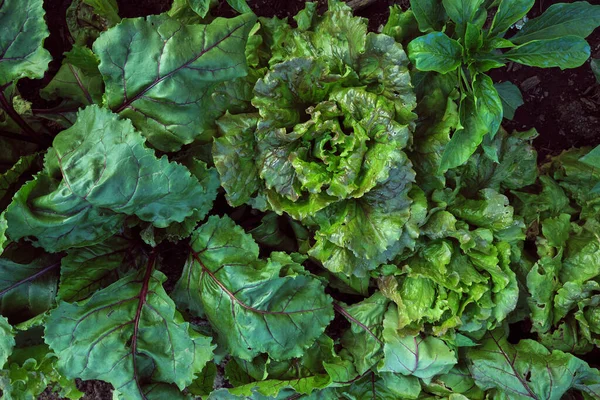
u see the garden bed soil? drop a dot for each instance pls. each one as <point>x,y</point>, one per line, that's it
<point>564,106</point>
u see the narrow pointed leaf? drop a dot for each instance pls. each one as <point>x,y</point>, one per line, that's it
<point>579,18</point>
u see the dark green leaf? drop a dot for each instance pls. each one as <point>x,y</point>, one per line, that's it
<point>127,334</point>
<point>429,14</point>
<point>563,52</point>
<point>509,12</point>
<point>435,52</point>
<point>511,98</point>
<point>579,19</point>
<point>21,38</point>
<point>223,276</point>
<point>146,61</point>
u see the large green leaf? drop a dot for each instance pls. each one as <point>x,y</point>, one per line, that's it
<point>78,80</point>
<point>429,14</point>
<point>527,370</point>
<point>162,74</point>
<point>88,269</point>
<point>127,334</point>
<point>256,306</point>
<point>579,18</point>
<point>423,357</point>
<point>7,340</point>
<point>97,171</point>
<point>23,32</point>
<point>363,342</point>
<point>435,52</point>
<point>383,385</point>
<point>564,52</point>
<point>509,12</point>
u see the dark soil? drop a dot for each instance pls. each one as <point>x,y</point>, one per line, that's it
<point>564,106</point>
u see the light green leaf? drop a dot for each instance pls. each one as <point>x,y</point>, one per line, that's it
<point>105,171</point>
<point>563,52</point>
<point>401,25</point>
<point>509,12</point>
<point>526,370</point>
<point>413,355</point>
<point>7,340</point>
<point>240,6</point>
<point>127,334</point>
<point>511,98</point>
<point>224,276</point>
<point>31,370</point>
<point>21,38</point>
<point>200,7</point>
<point>429,14</point>
<point>435,52</point>
<point>146,61</point>
<point>382,385</point>
<point>579,19</point>
<point>106,8</point>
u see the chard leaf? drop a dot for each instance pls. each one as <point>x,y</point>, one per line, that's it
<point>563,52</point>
<point>286,308</point>
<point>511,98</point>
<point>88,269</point>
<point>7,340</point>
<point>78,80</point>
<point>527,370</point>
<point>363,342</point>
<point>413,355</point>
<point>28,282</point>
<point>96,172</point>
<point>579,19</point>
<point>23,33</point>
<point>509,12</point>
<point>429,14</point>
<point>240,6</point>
<point>382,385</point>
<point>435,52</point>
<point>146,61</point>
<point>127,334</point>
